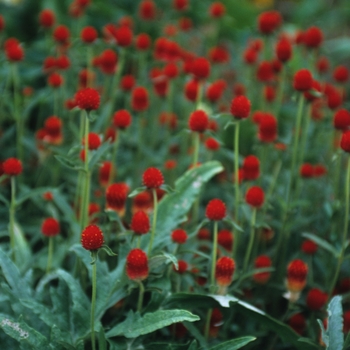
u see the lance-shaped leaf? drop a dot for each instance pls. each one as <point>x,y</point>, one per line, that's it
<point>234,344</point>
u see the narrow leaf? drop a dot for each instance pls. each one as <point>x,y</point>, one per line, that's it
<point>322,243</point>
<point>234,344</point>
<point>335,324</point>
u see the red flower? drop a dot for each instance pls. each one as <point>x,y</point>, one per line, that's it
<point>322,64</point>
<point>142,201</point>
<point>139,99</point>
<point>334,99</point>
<point>296,275</point>
<point>215,210</point>
<point>111,134</point>
<point>302,80</point>
<point>219,54</point>
<point>191,90</point>
<point>53,126</point>
<point>140,223</point>
<point>345,141</point>
<point>105,172</point>
<point>312,94</point>
<point>269,21</point>
<point>185,23</point>
<point>88,99</point>
<point>240,107</point>
<point>316,299</point>
<point>88,34</point>
<point>284,50</point>
<point>147,9</point>
<point>203,234</point>
<point>269,93</point>
<point>14,52</point>
<point>313,37</point>
<point>225,239</point>
<point>2,23</point>
<point>127,82</point>
<point>50,227</point>
<point>170,164</point>
<point>61,34</point>
<point>122,119</point>
<point>265,72</point>
<point>123,36</point>
<point>251,167</point>
<point>224,270</point>
<point>171,70</point>
<point>55,80</point>
<point>298,323</point>
<point>211,144</point>
<point>94,141</point>
<point>182,267</point>
<point>137,265</point>
<point>179,236</point>
<point>201,68</point>
<point>319,170</point>
<point>62,62</point>
<point>217,9</point>
<point>215,90</point>
<point>116,195</point>
<point>180,5</point>
<point>341,119</point>
<point>262,261</point>
<point>198,121</point>
<point>250,56</point>
<point>152,178</point>
<point>108,61</point>
<point>267,128</point>
<point>92,238</point>
<point>12,167</point>
<point>258,116</point>
<point>309,247</point>
<point>143,42</point>
<point>341,74</point>
<point>47,18</point>
<point>306,170</point>
<point>255,196</point>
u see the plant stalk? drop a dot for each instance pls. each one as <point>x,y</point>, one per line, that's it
<point>93,300</point>
<point>251,240</point>
<point>154,221</point>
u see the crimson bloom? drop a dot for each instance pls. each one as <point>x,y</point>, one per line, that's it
<point>255,196</point>
<point>88,99</point>
<point>140,223</point>
<point>50,227</point>
<point>12,167</point>
<point>215,210</point>
<point>92,238</point>
<point>224,270</point>
<point>240,107</point>
<point>152,178</point>
<point>137,265</point>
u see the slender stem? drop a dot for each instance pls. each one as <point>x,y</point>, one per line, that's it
<point>251,240</point>
<point>49,257</point>
<point>89,64</point>
<point>140,300</point>
<point>345,231</point>
<point>12,215</point>
<point>55,101</point>
<point>154,221</point>
<point>207,324</point>
<point>138,244</point>
<point>114,158</point>
<point>280,92</point>
<point>199,94</point>
<point>79,197</point>
<point>17,116</point>
<point>196,142</point>
<point>93,300</point>
<point>86,194</point>
<point>213,260</point>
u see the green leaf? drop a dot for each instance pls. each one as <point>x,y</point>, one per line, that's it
<point>67,162</point>
<point>4,200</point>
<point>135,325</point>
<point>28,193</point>
<point>167,188</point>
<point>114,217</point>
<point>102,343</point>
<point>108,250</point>
<point>190,300</point>
<point>234,344</point>
<point>196,334</point>
<point>347,342</point>
<point>159,260</point>
<point>97,155</point>
<point>193,345</point>
<point>137,191</point>
<point>22,249</point>
<point>322,243</point>
<point>335,324</point>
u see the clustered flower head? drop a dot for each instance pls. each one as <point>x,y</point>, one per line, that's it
<point>88,99</point>
<point>50,227</point>
<point>240,107</point>
<point>215,210</point>
<point>152,178</point>
<point>198,121</point>
<point>137,265</point>
<point>92,238</point>
<point>12,167</point>
<point>140,223</point>
<point>224,270</point>
<point>296,275</point>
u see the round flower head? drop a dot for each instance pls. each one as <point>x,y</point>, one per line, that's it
<point>265,72</point>
<point>341,119</point>
<point>191,90</point>
<point>137,265</point>
<point>313,37</point>
<point>341,74</point>
<point>217,9</point>
<point>105,173</point>
<point>201,68</point>
<point>180,5</point>
<point>12,167</point>
<point>152,178</point>
<point>61,34</point>
<point>240,107</point>
<point>127,82</point>
<point>322,65</point>
<point>219,54</point>
<point>225,239</point>
<point>298,323</point>
<point>55,80</point>
<point>92,238</point>
<point>143,42</point>
<point>198,121</point>
<point>53,126</point>
<point>62,62</point>
<point>316,299</point>
<point>211,144</point>
<point>14,52</point>
<point>88,34</point>
<point>47,18</point>
<point>94,141</point>
<point>296,275</point>
<point>306,170</point>
<point>269,93</point>
<point>179,236</point>
<point>224,270</point>
<point>123,36</point>
<point>345,141</point>
<point>267,128</point>
<point>182,267</point>
<point>147,10</point>
<point>215,210</point>
<point>255,196</point>
<point>108,61</point>
<point>50,227</point>
<point>251,167</point>
<point>140,223</point>
<point>215,90</point>
<point>261,262</point>
<point>284,50</point>
<point>88,99</point>
<point>302,80</point>
<point>334,99</point>
<point>116,195</point>
<point>309,247</point>
<point>139,99</point>
<point>122,119</point>
<point>250,56</point>
<point>269,21</point>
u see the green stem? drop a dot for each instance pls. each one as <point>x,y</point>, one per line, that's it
<point>251,240</point>
<point>196,143</point>
<point>17,116</point>
<point>207,324</point>
<point>213,261</point>
<point>81,177</point>
<point>280,92</point>
<point>345,231</point>
<point>93,300</point>
<point>49,257</point>
<point>236,177</point>
<point>114,158</point>
<point>154,221</point>
<point>199,94</point>
<point>89,56</point>
<point>12,214</point>
<point>140,300</point>
<point>86,194</point>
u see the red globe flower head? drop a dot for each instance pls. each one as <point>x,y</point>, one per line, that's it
<point>341,119</point>
<point>215,90</point>
<point>53,126</point>
<point>309,247</point>
<point>2,23</point>
<point>143,42</point>
<point>161,85</point>
<point>179,236</point>
<point>255,196</point>
<point>82,3</point>
<point>341,74</point>
<point>75,10</point>
<point>269,21</point>
<point>219,54</point>
<point>12,167</point>
<point>55,80</point>
<point>122,119</point>
<point>345,141</point>
<point>140,223</point>
<point>203,234</point>
<point>48,196</point>
<point>47,18</point>
<point>50,227</point>
<point>302,80</point>
<point>284,50</point>
<point>319,170</point>
<point>217,9</point>
<point>11,42</point>
<point>142,201</point>
<point>250,56</point>
<point>201,68</point>
<point>185,23</point>
<point>137,265</point>
<point>265,72</point>
<point>170,164</point>
<point>14,52</point>
<point>108,61</point>
<point>251,167</point>
<point>92,238</point>
<point>313,37</point>
<point>147,10</point>
<point>269,93</point>
<point>170,30</point>
<point>334,99</point>
<point>123,36</point>
<point>240,107</point>
<point>152,178</point>
<point>127,82</point>
<point>315,91</point>
<point>116,196</point>
<point>105,172</point>
<point>111,134</point>
<point>296,275</point>
<point>224,270</point>
<point>215,210</point>
<point>88,99</point>
<point>62,62</point>
<point>182,267</point>
<point>298,323</point>
<point>306,170</point>
<point>49,64</point>
<point>88,34</point>
<point>225,239</point>
<point>94,141</point>
<point>262,261</point>
<point>257,117</point>
<point>211,144</point>
<point>171,70</point>
<point>267,128</point>
<point>191,90</point>
<point>322,65</point>
<point>276,65</point>
<point>139,99</point>
<point>198,121</point>
<point>180,5</point>
<point>316,299</point>
<point>61,34</point>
